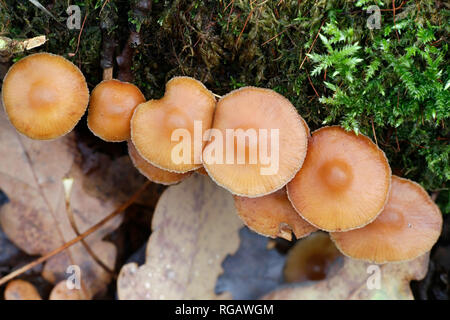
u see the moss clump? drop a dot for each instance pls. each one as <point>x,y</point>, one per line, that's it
<point>392,83</point>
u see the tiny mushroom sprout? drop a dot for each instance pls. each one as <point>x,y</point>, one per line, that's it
<point>408,227</point>
<point>344,182</point>
<point>263,138</point>
<point>111,106</point>
<point>169,132</point>
<point>272,216</point>
<point>310,258</point>
<point>153,173</point>
<point>44,96</point>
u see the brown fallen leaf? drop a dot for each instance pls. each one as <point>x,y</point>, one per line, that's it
<point>21,290</point>
<point>35,218</point>
<point>62,292</point>
<point>195,226</point>
<point>357,280</point>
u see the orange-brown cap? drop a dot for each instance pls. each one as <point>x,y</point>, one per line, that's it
<point>344,182</point>
<point>272,216</point>
<point>408,227</point>
<point>111,106</point>
<point>163,130</point>
<point>310,258</point>
<point>153,173</point>
<point>44,96</point>
<point>268,129</point>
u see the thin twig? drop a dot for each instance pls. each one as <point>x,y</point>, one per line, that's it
<point>393,13</point>
<point>374,134</point>
<point>91,230</point>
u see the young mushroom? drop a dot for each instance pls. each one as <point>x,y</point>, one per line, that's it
<point>263,138</point>
<point>160,127</point>
<point>111,106</point>
<point>153,173</point>
<point>44,96</point>
<point>344,182</point>
<point>310,258</point>
<point>272,216</point>
<point>408,227</point>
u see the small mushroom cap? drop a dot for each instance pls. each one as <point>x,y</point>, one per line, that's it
<point>21,290</point>
<point>111,106</point>
<point>272,216</point>
<point>310,258</point>
<point>344,182</point>
<point>44,96</point>
<point>153,173</point>
<point>408,227</point>
<point>264,113</point>
<point>186,100</point>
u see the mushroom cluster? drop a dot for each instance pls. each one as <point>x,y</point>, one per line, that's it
<point>252,141</point>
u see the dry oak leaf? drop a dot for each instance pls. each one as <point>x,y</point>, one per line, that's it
<point>195,226</point>
<point>35,218</point>
<point>357,280</point>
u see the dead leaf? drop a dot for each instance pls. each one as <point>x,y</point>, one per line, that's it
<point>253,270</point>
<point>35,219</point>
<point>350,278</point>
<point>195,226</point>
<point>21,290</point>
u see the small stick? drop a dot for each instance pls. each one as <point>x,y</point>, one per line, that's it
<point>91,230</point>
<point>374,134</point>
<point>217,96</point>
<point>108,73</point>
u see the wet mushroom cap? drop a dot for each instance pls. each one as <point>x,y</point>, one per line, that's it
<point>408,227</point>
<point>111,106</point>
<point>153,173</point>
<point>268,147</point>
<point>344,181</point>
<point>272,216</point>
<point>160,128</point>
<point>44,96</point>
<point>310,258</point>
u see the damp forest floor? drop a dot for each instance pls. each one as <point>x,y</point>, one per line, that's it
<point>390,83</point>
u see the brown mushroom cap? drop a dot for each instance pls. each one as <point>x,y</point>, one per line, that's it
<point>186,100</point>
<point>310,258</point>
<point>153,173</point>
<point>272,216</point>
<point>253,108</point>
<point>408,227</point>
<point>344,182</point>
<point>44,96</point>
<point>111,106</point>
